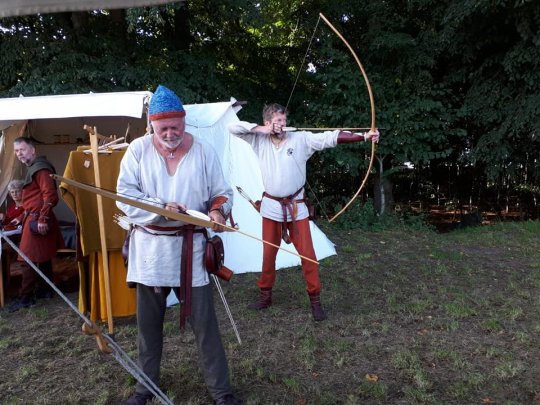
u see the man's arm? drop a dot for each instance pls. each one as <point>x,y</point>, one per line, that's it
<point>243,128</point>
<point>128,184</point>
<point>49,197</point>
<point>349,137</point>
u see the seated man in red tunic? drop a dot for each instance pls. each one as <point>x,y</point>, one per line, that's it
<point>15,209</point>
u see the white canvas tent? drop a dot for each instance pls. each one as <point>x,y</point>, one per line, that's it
<point>49,117</point>
<point>10,8</point>
<point>56,123</point>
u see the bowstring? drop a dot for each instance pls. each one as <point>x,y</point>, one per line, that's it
<point>287,107</point>
<point>303,61</point>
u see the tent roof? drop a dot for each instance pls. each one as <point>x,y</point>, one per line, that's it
<point>121,104</point>
<point>10,8</point>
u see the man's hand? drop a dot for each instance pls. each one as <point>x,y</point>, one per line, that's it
<point>175,207</point>
<point>43,228</point>
<point>269,129</point>
<point>277,129</point>
<point>218,219</point>
<point>373,135</point>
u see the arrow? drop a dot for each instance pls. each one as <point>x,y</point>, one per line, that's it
<point>246,196</point>
<point>292,129</point>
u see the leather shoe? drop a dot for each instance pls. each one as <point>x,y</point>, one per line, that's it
<point>139,399</point>
<point>228,399</point>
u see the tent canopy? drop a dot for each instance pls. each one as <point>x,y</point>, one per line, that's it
<point>56,123</point>
<point>9,8</point>
<point>121,104</point>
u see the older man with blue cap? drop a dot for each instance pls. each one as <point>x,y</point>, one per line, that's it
<point>172,169</point>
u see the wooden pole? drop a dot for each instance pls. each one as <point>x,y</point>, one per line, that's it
<point>104,253</point>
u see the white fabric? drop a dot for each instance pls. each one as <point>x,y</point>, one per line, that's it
<point>10,8</point>
<point>121,104</point>
<point>198,180</point>
<point>284,168</point>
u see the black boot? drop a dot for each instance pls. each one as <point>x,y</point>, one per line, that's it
<point>265,299</point>
<point>316,307</point>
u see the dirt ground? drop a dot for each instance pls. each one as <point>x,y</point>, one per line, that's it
<point>414,317</point>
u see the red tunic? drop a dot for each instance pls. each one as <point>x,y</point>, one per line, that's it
<point>13,211</point>
<point>39,197</point>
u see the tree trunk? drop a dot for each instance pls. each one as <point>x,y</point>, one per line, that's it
<point>382,190</point>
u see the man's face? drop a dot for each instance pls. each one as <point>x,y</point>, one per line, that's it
<point>16,194</point>
<point>25,153</point>
<point>170,131</point>
<point>278,121</point>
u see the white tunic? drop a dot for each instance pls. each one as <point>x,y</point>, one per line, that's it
<point>283,168</point>
<point>198,180</point>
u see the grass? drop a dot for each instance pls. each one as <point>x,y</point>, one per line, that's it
<point>415,317</point>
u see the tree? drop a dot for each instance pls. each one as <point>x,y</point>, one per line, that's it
<point>456,83</point>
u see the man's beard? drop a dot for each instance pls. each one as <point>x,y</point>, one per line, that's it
<point>26,161</point>
<point>168,144</point>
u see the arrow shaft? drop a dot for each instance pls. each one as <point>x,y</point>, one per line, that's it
<point>325,129</point>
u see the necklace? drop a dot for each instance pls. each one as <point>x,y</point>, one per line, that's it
<point>171,155</point>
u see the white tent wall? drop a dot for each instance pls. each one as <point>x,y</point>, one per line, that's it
<point>56,122</point>
<point>10,8</point>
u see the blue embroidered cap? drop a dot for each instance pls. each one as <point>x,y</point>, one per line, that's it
<point>165,104</point>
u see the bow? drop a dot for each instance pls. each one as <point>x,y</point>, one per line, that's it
<point>373,121</point>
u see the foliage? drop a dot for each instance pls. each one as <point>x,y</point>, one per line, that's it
<point>364,216</point>
<point>456,83</point>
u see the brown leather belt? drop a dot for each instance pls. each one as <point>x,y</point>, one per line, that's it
<point>186,263</point>
<point>287,204</point>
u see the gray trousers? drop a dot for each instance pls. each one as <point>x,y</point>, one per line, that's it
<point>151,307</point>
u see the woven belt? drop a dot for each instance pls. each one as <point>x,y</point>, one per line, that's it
<point>287,204</point>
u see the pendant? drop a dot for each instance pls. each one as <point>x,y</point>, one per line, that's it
<point>171,155</point>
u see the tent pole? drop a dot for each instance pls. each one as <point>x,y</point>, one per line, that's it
<point>92,132</point>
